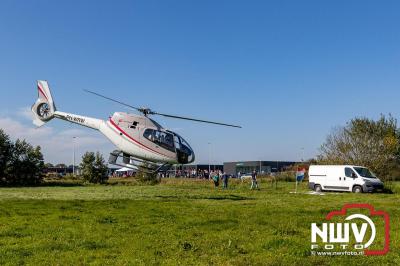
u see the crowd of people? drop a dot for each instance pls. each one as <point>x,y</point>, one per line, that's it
<point>216,176</point>
<point>190,173</point>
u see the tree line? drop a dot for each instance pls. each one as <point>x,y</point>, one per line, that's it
<point>21,164</point>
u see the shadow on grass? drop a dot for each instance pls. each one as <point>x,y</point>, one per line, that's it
<point>387,190</point>
<point>46,184</point>
<point>60,184</point>
<point>222,197</point>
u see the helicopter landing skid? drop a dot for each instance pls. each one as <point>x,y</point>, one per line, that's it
<point>134,163</point>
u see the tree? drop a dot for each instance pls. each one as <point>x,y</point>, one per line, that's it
<point>101,169</point>
<point>48,165</point>
<point>93,167</point>
<point>5,152</point>
<point>87,166</point>
<point>24,164</point>
<point>363,141</point>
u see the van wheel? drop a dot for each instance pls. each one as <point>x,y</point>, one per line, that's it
<point>317,188</point>
<point>357,189</point>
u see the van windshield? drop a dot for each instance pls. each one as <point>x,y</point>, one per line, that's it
<point>364,172</point>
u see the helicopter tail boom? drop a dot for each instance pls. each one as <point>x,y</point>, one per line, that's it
<point>85,121</point>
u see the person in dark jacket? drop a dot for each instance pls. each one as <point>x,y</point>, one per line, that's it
<point>254,183</point>
<point>225,178</point>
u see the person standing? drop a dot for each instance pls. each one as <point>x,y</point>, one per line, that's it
<point>254,183</point>
<point>225,178</point>
<point>215,178</point>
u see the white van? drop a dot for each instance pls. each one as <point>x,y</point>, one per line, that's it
<point>357,179</point>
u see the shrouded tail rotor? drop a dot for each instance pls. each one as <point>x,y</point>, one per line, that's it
<point>44,108</point>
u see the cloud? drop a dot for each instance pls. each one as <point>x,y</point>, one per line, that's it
<point>25,112</point>
<point>57,146</point>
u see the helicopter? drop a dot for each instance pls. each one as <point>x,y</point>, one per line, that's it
<point>140,140</point>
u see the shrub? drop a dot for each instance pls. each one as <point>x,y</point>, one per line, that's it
<point>93,167</point>
<point>145,176</point>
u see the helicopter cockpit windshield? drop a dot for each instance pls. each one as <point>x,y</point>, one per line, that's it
<point>184,151</point>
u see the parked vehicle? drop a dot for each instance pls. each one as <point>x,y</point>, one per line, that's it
<point>245,176</point>
<point>350,178</point>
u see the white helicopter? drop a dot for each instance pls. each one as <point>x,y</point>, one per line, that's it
<point>140,140</point>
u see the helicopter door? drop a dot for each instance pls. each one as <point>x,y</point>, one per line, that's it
<point>177,142</point>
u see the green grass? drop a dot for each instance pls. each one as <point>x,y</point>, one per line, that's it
<point>176,222</point>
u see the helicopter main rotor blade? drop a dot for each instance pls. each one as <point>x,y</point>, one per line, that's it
<point>147,111</point>
<point>110,99</point>
<point>197,120</point>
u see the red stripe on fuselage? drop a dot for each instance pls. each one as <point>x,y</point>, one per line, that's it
<point>41,91</point>
<point>126,134</point>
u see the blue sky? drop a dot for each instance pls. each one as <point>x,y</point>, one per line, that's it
<point>287,71</point>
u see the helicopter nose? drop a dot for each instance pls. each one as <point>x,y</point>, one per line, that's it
<point>185,155</point>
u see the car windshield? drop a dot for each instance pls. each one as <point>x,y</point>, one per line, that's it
<point>364,172</point>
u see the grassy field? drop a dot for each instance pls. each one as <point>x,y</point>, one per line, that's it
<point>184,222</point>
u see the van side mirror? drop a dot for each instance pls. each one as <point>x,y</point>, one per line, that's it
<point>353,175</point>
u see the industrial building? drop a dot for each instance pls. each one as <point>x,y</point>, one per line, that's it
<point>233,168</point>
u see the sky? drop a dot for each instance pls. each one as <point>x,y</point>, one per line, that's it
<point>288,72</point>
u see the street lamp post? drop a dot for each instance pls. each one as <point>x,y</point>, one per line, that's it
<point>73,156</point>
<point>209,159</point>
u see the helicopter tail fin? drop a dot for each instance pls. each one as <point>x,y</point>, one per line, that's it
<point>43,109</point>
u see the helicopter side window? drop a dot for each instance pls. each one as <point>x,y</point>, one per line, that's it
<point>161,138</point>
<point>148,134</point>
